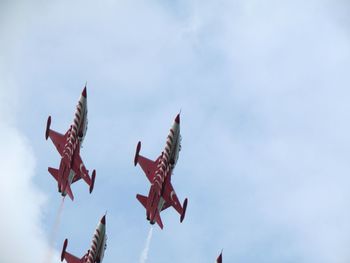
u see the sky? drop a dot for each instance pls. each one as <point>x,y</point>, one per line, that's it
<point>263,89</point>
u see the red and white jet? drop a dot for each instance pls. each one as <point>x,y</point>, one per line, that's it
<point>98,246</point>
<point>161,194</point>
<point>68,145</point>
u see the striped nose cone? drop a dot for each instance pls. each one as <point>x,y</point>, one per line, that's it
<point>177,119</point>
<point>103,220</point>
<point>84,92</point>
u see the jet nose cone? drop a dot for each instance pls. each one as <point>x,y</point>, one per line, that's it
<point>84,92</point>
<point>103,220</point>
<point>219,259</point>
<point>177,119</point>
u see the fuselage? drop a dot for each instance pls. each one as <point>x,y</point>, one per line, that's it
<point>165,166</point>
<point>98,244</point>
<point>75,137</point>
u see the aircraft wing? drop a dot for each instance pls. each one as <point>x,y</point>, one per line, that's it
<point>171,198</point>
<point>58,140</point>
<point>73,259</point>
<point>80,170</point>
<point>148,166</point>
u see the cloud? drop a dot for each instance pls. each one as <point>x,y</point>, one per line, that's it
<point>280,133</point>
<point>263,88</point>
<point>23,238</point>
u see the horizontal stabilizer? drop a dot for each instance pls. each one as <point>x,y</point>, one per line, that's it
<point>54,173</point>
<point>142,199</point>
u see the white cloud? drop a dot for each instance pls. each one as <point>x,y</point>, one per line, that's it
<point>264,91</point>
<point>22,236</point>
<point>22,239</point>
<point>277,171</point>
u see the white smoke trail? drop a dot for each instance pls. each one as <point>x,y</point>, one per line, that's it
<point>54,233</point>
<point>144,254</point>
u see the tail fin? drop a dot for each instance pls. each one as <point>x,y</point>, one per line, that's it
<point>54,173</point>
<point>142,199</point>
<point>69,192</point>
<point>159,220</point>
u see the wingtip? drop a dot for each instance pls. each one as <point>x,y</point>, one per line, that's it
<point>93,176</point>
<point>48,124</point>
<point>184,207</point>
<point>64,249</point>
<point>138,148</point>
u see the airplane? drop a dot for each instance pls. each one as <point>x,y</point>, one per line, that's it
<point>161,194</point>
<point>219,259</point>
<point>71,167</point>
<point>98,246</point>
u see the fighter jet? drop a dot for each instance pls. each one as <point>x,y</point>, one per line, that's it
<point>71,168</point>
<point>161,194</point>
<point>98,246</point>
<point>219,259</point>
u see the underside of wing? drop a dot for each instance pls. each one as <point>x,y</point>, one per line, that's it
<point>80,170</point>
<point>148,166</point>
<point>58,140</point>
<point>171,198</point>
<point>165,206</point>
<point>72,259</point>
